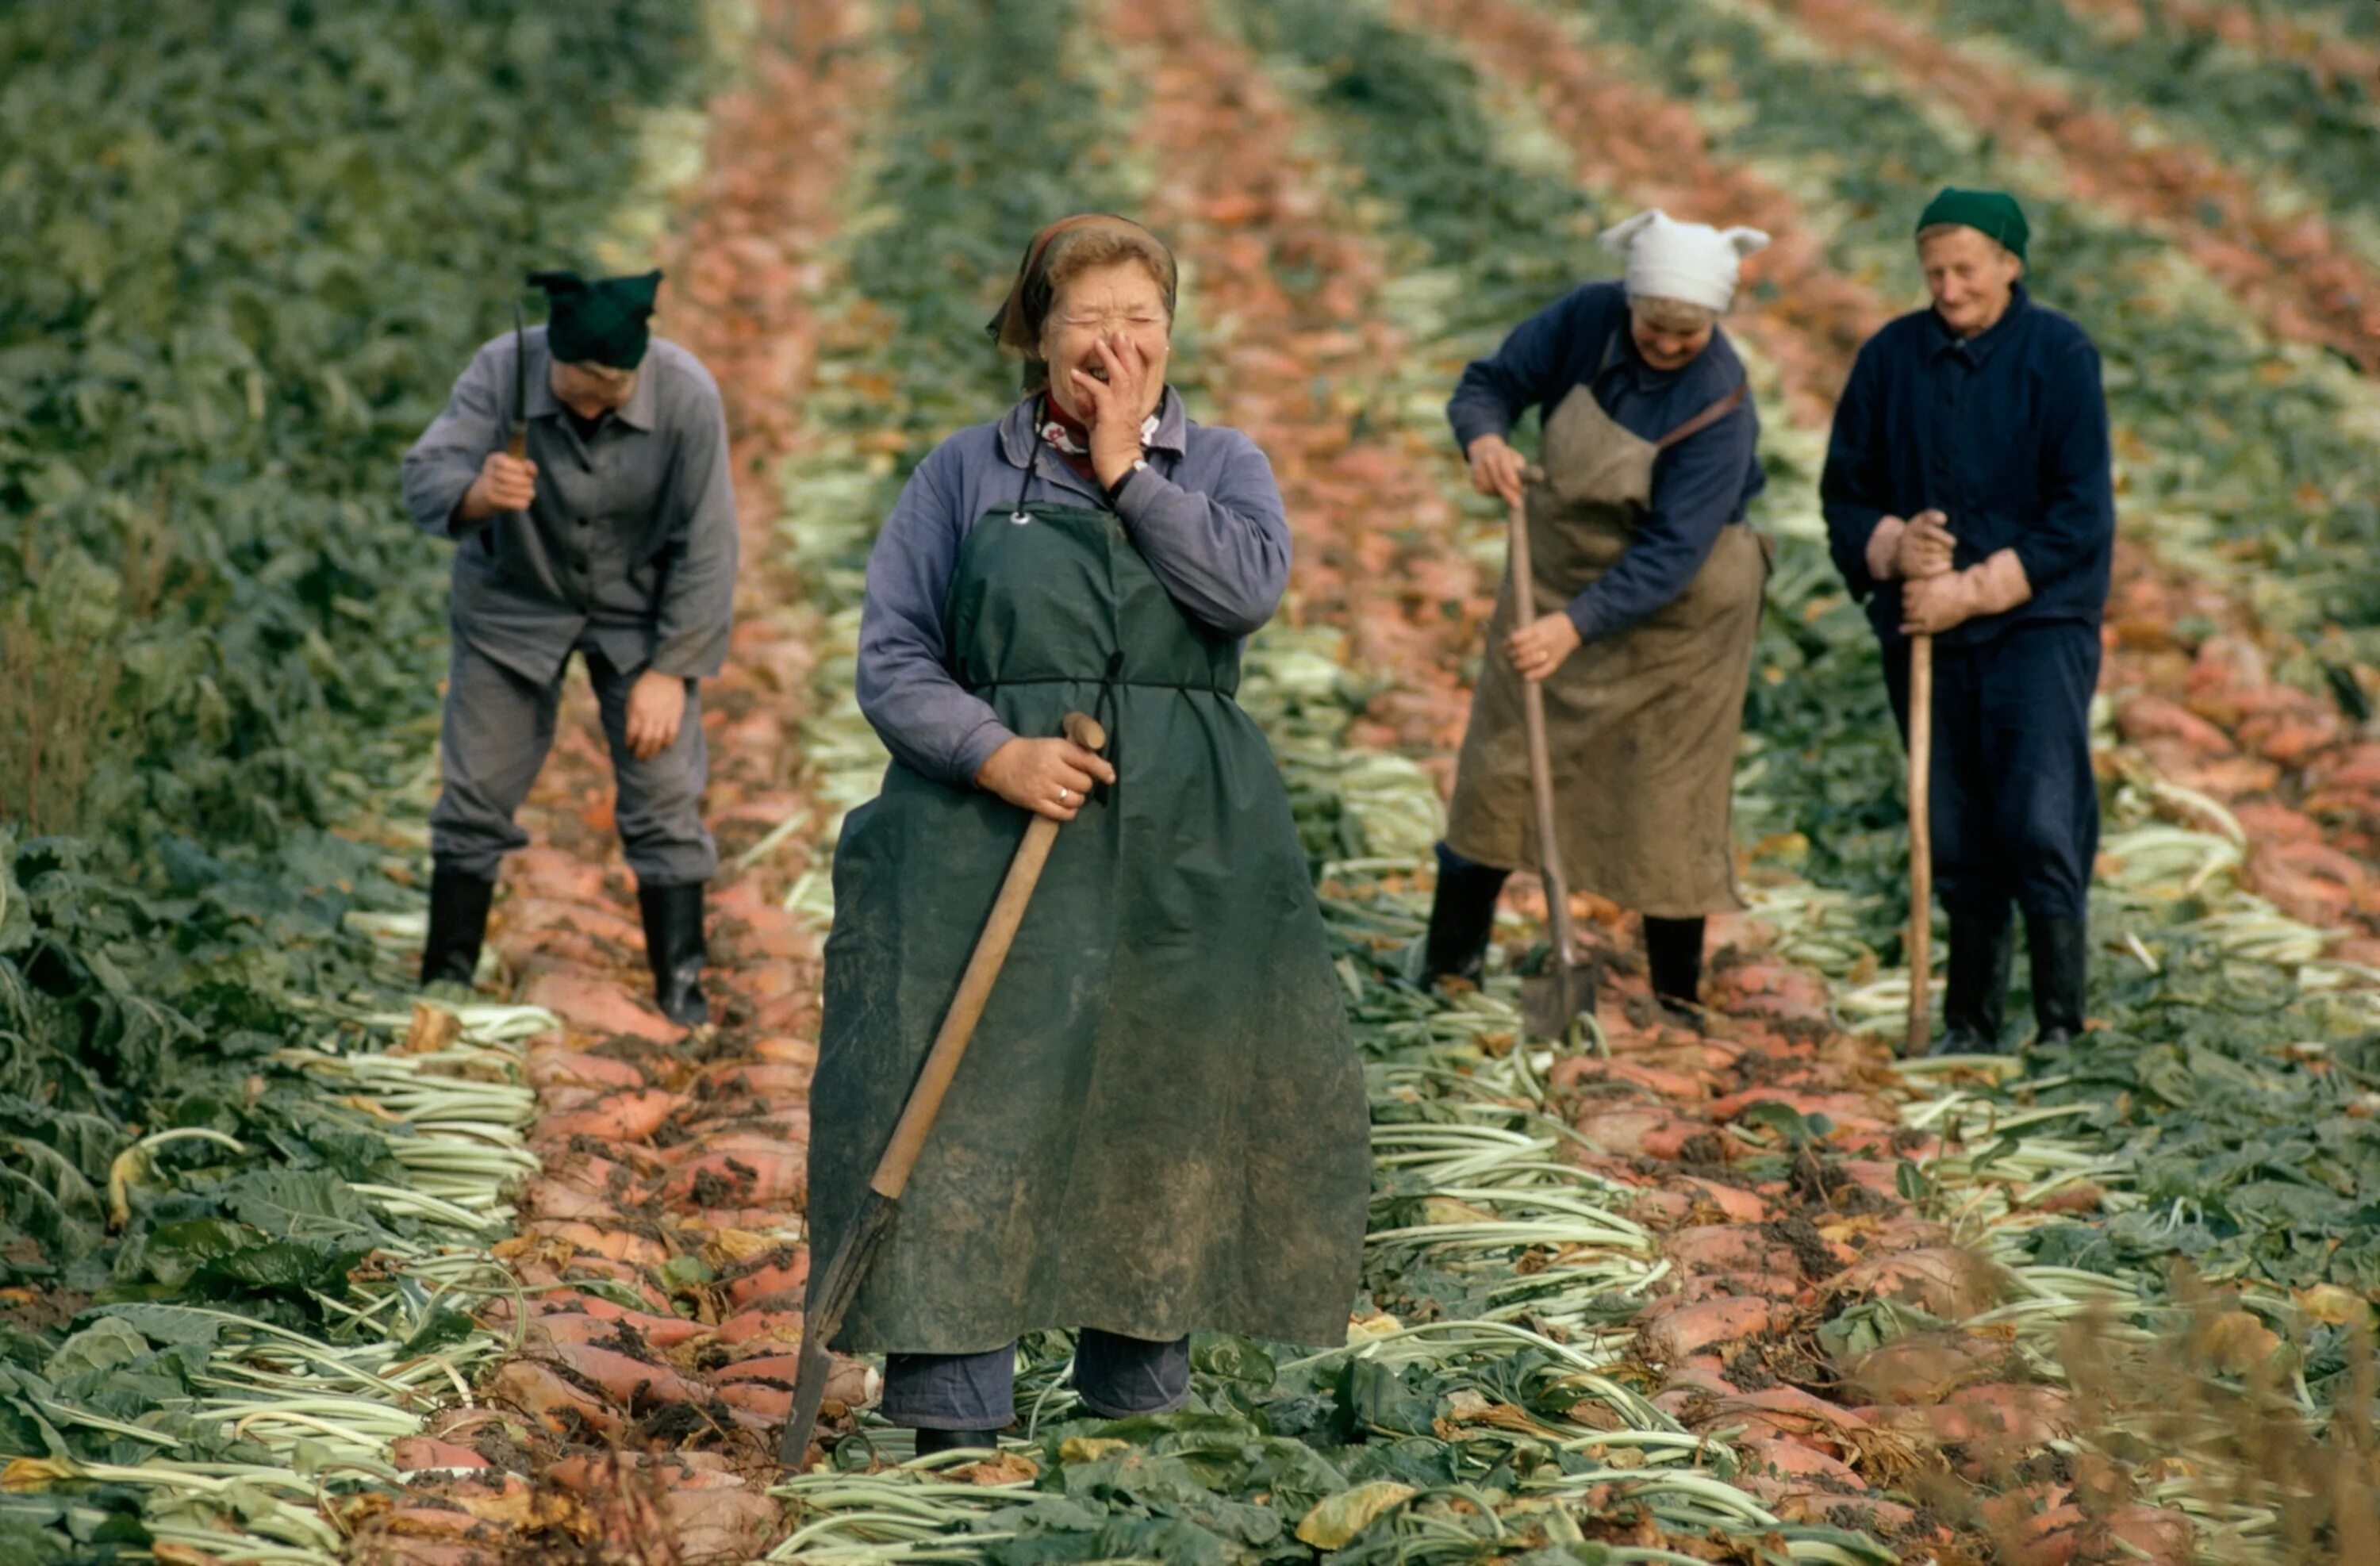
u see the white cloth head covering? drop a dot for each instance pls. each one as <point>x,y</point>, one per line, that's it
<point>1690,262</point>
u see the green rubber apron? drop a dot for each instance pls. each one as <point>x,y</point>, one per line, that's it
<point>1642,723</point>
<point>1160,1126</point>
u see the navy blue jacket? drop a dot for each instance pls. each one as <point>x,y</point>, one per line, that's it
<point>1699,485</point>
<point>2006,433</point>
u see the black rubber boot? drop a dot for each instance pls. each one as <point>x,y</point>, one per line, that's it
<point>1461,916</point>
<point>458,924</point>
<point>2061,974</point>
<point>1975,1006</point>
<point>1674,950</point>
<point>674,945</point>
<point>931,1442</point>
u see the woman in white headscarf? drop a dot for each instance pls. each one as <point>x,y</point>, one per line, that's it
<point>1648,595</point>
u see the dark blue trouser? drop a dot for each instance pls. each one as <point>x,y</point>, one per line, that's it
<point>2016,811</point>
<point>1115,1376</point>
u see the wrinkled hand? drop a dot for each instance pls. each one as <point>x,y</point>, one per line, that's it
<point>1049,777</point>
<point>1539,648</point>
<point>1112,406</point>
<point>656,707</point>
<point>505,483</point>
<point>1496,469</point>
<point>1926,546</point>
<point>1933,604</point>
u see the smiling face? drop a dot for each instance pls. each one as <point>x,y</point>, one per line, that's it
<point>1118,298</point>
<point>1669,335</point>
<point>1972,276</point>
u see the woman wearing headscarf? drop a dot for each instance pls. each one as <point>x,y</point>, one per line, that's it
<point>1970,496</point>
<point>1160,1126</point>
<point>1641,620</point>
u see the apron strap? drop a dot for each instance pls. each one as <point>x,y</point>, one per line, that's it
<point>1703,420</point>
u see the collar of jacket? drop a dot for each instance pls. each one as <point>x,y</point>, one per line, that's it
<point>1019,438</point>
<point>1979,347</point>
<point>638,412</point>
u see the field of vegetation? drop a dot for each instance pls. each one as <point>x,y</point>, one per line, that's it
<point>293,1270</point>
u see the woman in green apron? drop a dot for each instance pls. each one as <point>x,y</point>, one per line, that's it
<point>1161,1125</point>
<point>1641,620</point>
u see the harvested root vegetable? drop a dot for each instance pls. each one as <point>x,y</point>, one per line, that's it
<point>410,1454</point>
<point>1703,1328</point>
<point>621,1117</point>
<point>554,1402</point>
<point>627,1380</point>
<point>612,1244</point>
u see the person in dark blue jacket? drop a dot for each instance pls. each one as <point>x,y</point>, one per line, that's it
<point>1969,497</point>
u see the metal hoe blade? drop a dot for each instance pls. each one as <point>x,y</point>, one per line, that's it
<point>1551,1002</point>
<point>830,1298</point>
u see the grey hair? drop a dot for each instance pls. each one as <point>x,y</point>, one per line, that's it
<point>1671,315</point>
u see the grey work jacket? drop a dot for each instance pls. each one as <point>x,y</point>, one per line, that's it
<point>631,541</point>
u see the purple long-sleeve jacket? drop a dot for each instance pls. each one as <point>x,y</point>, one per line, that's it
<point>1205,514</point>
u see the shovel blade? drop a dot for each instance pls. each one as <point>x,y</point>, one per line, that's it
<point>1551,1000</point>
<point>831,1294</point>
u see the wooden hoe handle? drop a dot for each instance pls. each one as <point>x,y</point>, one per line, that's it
<point>1541,766</point>
<point>975,988</point>
<point>1921,845</point>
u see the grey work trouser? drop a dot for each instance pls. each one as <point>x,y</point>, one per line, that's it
<point>1115,1376</point>
<point>497,730</point>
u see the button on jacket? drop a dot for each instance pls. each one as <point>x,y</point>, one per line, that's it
<point>630,544</point>
<point>2006,433</point>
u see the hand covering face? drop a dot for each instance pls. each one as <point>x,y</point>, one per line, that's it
<point>1017,324</point>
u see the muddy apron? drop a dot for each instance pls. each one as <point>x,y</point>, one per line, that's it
<point>1642,723</point>
<point>1160,1126</point>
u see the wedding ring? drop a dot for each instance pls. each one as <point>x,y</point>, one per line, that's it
<point>1064,794</point>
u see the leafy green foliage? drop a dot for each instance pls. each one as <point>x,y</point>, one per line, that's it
<point>244,249</point>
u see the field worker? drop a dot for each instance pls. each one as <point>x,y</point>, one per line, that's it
<point>1640,621</point>
<point>1968,497</point>
<point>1160,1126</point>
<point>613,537</point>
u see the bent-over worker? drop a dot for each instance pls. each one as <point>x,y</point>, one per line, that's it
<point>1160,1126</point>
<point>1969,497</point>
<point>613,537</point>
<point>1640,621</point>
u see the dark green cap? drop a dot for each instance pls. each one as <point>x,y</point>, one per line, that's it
<point>1993,212</point>
<point>599,322</point>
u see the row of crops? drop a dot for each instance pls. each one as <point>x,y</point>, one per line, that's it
<point>243,251</point>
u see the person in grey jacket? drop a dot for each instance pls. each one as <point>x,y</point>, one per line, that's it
<point>610,535</point>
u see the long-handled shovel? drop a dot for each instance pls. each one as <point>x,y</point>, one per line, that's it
<point>1921,845</point>
<point>831,1292</point>
<point>1553,1001</point>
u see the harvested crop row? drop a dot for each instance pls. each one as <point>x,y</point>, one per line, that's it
<point>1651,1106</point>
<point>658,1257</point>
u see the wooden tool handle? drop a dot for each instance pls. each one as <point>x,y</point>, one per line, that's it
<point>1541,766</point>
<point>517,447</point>
<point>1921,845</point>
<point>975,988</point>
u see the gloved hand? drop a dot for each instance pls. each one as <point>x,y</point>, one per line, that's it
<point>1934,604</point>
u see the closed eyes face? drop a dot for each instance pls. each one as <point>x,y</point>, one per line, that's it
<point>1119,303</point>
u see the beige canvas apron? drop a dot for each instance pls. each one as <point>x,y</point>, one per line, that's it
<point>1642,723</point>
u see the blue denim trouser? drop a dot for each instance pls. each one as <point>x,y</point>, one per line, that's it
<point>1115,1376</point>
